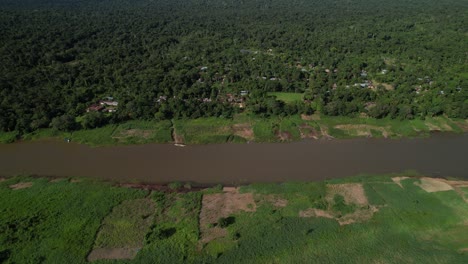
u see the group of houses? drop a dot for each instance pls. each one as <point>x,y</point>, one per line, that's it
<point>108,105</point>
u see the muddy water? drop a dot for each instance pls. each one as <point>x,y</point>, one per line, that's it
<point>439,155</point>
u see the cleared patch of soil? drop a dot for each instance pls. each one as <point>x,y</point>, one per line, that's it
<point>359,216</point>
<point>457,183</point>
<point>243,130</point>
<point>433,185</point>
<point>57,180</point>
<point>134,133</point>
<point>457,186</point>
<point>21,185</point>
<point>217,205</point>
<point>76,180</point>
<point>387,86</point>
<point>2,179</point>
<point>283,135</point>
<point>178,139</point>
<point>112,253</point>
<point>308,132</point>
<point>313,212</point>
<point>432,127</point>
<point>324,132</point>
<point>310,117</point>
<point>122,232</point>
<point>463,125</point>
<point>352,193</point>
<point>398,180</point>
<point>276,200</point>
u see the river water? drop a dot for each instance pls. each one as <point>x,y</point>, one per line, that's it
<point>440,155</point>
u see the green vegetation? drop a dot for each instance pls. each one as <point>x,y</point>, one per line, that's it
<point>54,222</point>
<point>182,60</point>
<point>174,235</point>
<point>288,97</point>
<point>140,132</point>
<point>96,137</point>
<point>204,130</point>
<point>8,137</point>
<point>365,219</point>
<point>127,225</point>
<point>242,128</point>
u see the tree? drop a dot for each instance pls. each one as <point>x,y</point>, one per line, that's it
<point>64,123</point>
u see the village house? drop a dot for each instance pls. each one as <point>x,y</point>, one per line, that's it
<point>94,108</point>
<point>161,98</point>
<point>108,105</point>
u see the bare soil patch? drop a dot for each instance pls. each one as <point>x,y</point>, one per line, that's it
<point>463,125</point>
<point>432,127</point>
<point>313,212</point>
<point>134,133</point>
<point>457,183</point>
<point>243,130</point>
<point>57,180</point>
<point>314,117</point>
<point>76,180</point>
<point>276,201</point>
<point>387,86</point>
<point>433,185</point>
<point>359,216</point>
<point>324,132</point>
<point>398,180</point>
<point>122,232</point>
<point>112,253</point>
<point>283,135</point>
<point>308,132</point>
<point>352,193</point>
<point>178,139</point>
<point>2,179</point>
<point>217,205</point>
<point>21,185</point>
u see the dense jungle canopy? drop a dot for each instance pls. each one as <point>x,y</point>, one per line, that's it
<point>165,59</point>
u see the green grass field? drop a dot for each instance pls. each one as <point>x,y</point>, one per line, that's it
<point>54,222</point>
<point>366,219</point>
<point>203,130</point>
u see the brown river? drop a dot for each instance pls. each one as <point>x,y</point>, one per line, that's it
<point>443,155</point>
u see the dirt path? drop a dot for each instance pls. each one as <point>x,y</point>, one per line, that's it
<point>243,130</point>
<point>176,138</point>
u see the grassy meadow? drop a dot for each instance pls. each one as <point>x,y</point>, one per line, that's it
<point>366,219</point>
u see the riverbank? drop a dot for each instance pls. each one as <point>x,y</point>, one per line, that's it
<point>367,219</point>
<point>244,128</point>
